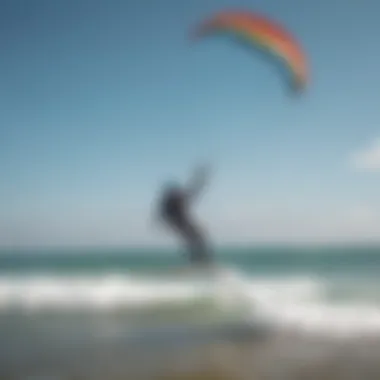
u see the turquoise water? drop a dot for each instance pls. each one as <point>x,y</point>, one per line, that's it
<point>134,279</point>
<point>262,260</point>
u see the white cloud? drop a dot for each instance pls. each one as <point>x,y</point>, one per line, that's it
<point>367,159</point>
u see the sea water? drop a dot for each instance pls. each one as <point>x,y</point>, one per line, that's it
<point>75,301</point>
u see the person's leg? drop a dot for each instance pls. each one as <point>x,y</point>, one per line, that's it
<point>194,239</point>
<point>199,251</point>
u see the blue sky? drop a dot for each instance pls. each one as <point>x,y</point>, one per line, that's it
<point>101,101</point>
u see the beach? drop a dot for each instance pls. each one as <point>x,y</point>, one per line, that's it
<point>281,356</point>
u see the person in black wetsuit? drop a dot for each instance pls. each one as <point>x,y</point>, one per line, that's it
<point>174,212</point>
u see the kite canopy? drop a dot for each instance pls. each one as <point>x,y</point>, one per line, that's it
<point>264,34</point>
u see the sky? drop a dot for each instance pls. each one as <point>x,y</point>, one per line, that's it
<point>104,101</point>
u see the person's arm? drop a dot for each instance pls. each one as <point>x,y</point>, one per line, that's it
<point>197,182</point>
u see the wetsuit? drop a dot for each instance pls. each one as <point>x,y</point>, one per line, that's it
<point>174,211</point>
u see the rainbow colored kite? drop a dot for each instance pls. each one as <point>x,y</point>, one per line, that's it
<point>264,34</point>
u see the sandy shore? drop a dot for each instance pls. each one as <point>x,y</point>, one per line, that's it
<point>279,356</point>
<point>287,356</point>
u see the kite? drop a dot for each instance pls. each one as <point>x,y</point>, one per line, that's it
<point>263,34</point>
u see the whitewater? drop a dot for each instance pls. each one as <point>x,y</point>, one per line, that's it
<point>339,306</point>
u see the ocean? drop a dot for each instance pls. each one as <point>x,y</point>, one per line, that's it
<point>104,313</point>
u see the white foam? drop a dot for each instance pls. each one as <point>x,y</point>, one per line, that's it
<point>302,304</point>
<point>298,302</point>
<point>109,291</point>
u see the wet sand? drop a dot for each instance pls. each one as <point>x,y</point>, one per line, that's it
<point>274,356</point>
<point>290,356</point>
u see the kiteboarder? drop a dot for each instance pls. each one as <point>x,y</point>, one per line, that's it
<point>174,212</point>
